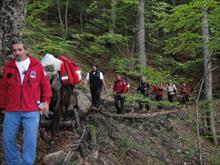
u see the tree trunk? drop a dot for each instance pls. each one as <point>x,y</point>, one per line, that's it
<point>60,17</point>
<point>66,18</point>
<point>174,3</point>
<point>12,16</point>
<point>113,16</point>
<point>208,76</point>
<point>81,16</point>
<point>141,34</point>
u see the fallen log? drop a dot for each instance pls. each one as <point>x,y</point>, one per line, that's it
<point>133,115</point>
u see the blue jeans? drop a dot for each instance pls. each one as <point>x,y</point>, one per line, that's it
<point>12,122</point>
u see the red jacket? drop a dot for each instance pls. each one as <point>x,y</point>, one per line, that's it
<point>184,90</point>
<point>120,86</point>
<point>24,97</point>
<point>158,90</point>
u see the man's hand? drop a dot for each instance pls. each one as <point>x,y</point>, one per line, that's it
<point>46,107</point>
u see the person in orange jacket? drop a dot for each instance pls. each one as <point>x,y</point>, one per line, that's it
<point>119,90</point>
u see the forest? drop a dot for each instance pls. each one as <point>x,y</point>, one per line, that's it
<point>162,40</point>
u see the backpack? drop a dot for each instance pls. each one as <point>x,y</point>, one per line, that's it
<point>70,72</point>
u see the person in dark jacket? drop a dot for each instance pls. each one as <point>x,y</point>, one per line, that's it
<point>119,90</point>
<point>27,92</point>
<point>144,88</point>
<point>96,81</point>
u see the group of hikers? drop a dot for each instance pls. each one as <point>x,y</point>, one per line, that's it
<point>26,93</point>
<point>145,89</point>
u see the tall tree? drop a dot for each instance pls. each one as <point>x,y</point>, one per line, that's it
<point>208,76</point>
<point>141,34</point>
<point>113,16</point>
<point>12,16</point>
<point>189,39</point>
<point>66,18</point>
<point>81,15</point>
<point>60,17</point>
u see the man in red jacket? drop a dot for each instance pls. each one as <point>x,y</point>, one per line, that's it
<point>185,92</point>
<point>159,92</point>
<point>27,91</point>
<point>119,90</point>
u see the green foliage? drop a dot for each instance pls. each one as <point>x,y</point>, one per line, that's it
<point>124,143</point>
<point>206,106</point>
<point>130,98</point>
<point>116,39</point>
<point>72,163</point>
<point>94,45</point>
<point>122,65</point>
<point>35,13</point>
<point>214,159</point>
<point>184,42</point>
<point>40,36</point>
<point>188,67</point>
<point>48,43</point>
<point>131,2</point>
<point>93,130</point>
<point>159,11</point>
<point>191,149</point>
<point>184,27</point>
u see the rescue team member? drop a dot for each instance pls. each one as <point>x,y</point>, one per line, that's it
<point>184,92</point>
<point>25,86</point>
<point>171,91</point>
<point>144,88</point>
<point>119,90</point>
<point>96,80</point>
<point>159,92</point>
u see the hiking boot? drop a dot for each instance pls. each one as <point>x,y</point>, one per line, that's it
<point>99,107</point>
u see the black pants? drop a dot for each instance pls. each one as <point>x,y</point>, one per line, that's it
<point>185,99</point>
<point>159,99</point>
<point>96,96</point>
<point>171,98</point>
<point>119,103</point>
<point>144,103</point>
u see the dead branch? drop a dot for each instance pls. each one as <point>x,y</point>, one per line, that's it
<point>197,122</point>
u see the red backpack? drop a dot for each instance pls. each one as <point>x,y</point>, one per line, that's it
<point>70,72</point>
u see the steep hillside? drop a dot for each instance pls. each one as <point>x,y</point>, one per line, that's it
<point>160,139</point>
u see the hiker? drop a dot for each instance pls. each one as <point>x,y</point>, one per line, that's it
<point>96,81</point>
<point>159,92</point>
<point>144,88</point>
<point>171,91</point>
<point>119,91</point>
<point>27,89</point>
<point>184,92</point>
